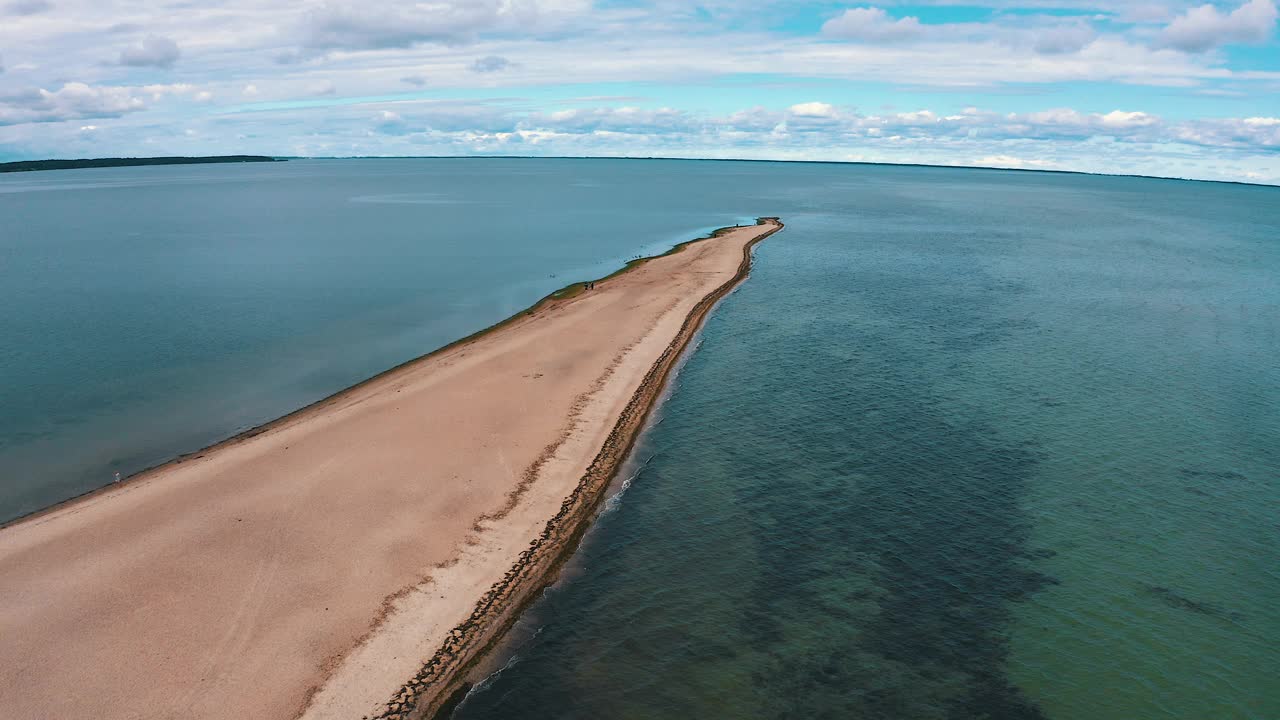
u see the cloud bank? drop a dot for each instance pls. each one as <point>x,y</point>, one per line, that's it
<point>1159,86</point>
<point>151,51</point>
<point>1206,27</point>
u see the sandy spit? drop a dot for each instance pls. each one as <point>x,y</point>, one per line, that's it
<point>355,558</point>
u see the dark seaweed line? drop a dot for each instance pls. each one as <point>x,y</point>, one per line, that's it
<point>443,676</point>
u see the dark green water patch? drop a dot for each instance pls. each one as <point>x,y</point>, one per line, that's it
<point>1175,599</point>
<point>821,533</point>
<point>986,449</point>
<point>913,532</point>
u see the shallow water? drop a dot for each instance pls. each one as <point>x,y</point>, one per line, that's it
<point>962,447</point>
<point>151,311</point>
<point>967,444</point>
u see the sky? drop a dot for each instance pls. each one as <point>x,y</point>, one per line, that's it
<point>1153,87</point>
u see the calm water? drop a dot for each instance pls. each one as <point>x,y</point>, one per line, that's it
<point>152,311</point>
<point>968,444</point>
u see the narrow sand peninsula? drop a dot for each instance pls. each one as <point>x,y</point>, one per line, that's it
<point>352,559</point>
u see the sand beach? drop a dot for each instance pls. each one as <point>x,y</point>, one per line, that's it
<point>353,559</point>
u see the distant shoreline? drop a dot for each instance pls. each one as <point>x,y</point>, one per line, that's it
<point>38,165</point>
<point>988,168</point>
<point>129,162</point>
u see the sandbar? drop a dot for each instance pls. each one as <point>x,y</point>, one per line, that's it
<point>355,558</point>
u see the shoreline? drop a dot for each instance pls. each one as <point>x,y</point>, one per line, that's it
<point>509,643</point>
<point>443,683</point>
<point>568,291</point>
<point>93,163</point>
<point>358,556</point>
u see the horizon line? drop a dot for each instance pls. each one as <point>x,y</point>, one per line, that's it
<point>771,160</point>
<point>1247,183</point>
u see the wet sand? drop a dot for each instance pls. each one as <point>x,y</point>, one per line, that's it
<point>354,558</point>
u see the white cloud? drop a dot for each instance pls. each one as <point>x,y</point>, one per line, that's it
<point>1042,34</point>
<point>151,51</point>
<point>72,101</point>
<point>652,53</point>
<point>1009,161</point>
<point>1205,27</point>
<point>159,91</point>
<point>1066,138</point>
<point>1118,119</point>
<point>1253,132</point>
<point>371,26</point>
<point>872,24</point>
<point>616,120</point>
<point>918,117</point>
<point>390,123</point>
<point>814,110</point>
<point>364,27</point>
<point>796,124</point>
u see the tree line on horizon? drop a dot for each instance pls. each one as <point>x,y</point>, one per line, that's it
<point>33,165</point>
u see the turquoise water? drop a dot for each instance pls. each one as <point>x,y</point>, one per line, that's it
<point>964,446</point>
<point>968,444</point>
<point>152,311</point>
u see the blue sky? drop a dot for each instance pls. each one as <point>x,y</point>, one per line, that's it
<point>1160,87</point>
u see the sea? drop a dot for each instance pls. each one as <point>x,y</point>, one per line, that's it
<point>968,443</point>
